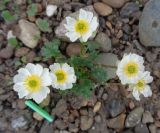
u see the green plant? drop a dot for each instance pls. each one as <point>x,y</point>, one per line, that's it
<point>13,41</point>
<point>3,4</point>
<point>8,17</point>
<point>43,25</point>
<point>32,10</point>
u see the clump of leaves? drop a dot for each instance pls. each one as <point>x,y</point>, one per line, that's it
<point>3,4</point>
<point>51,49</point>
<point>32,10</point>
<point>13,41</point>
<point>43,25</point>
<point>8,17</point>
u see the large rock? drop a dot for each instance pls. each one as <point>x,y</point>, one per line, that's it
<point>108,61</point>
<point>61,30</point>
<point>149,25</point>
<point>115,3</point>
<point>28,33</point>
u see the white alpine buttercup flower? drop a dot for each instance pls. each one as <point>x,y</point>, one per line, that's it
<point>141,86</point>
<point>130,68</point>
<point>83,27</point>
<point>63,76</point>
<point>32,82</point>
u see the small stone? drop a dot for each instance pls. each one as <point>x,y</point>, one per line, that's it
<point>152,128</point>
<point>97,107</point>
<point>114,3</point>
<point>115,107</point>
<point>28,34</point>
<point>51,10</point>
<point>104,41</point>
<point>102,9</point>
<point>86,123</point>
<point>46,128</point>
<point>7,52</point>
<point>30,56</point>
<point>141,128</point>
<point>127,131</point>
<point>45,102</point>
<point>147,117</point>
<point>73,128</point>
<point>129,9</point>
<point>73,49</point>
<point>98,119</point>
<point>60,124</point>
<point>149,24</point>
<point>19,122</point>
<point>21,104</point>
<point>37,116</point>
<point>134,117</point>
<point>131,105</point>
<point>83,112</point>
<point>21,52</point>
<point>117,123</point>
<point>108,62</point>
<point>58,2</point>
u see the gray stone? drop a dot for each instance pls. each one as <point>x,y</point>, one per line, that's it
<point>109,62</point>
<point>134,117</point>
<point>147,117</point>
<point>127,131</point>
<point>19,122</point>
<point>46,128</point>
<point>149,24</point>
<point>104,41</point>
<point>61,30</point>
<point>152,128</point>
<point>141,128</point>
<point>28,33</point>
<point>86,123</point>
<point>7,52</point>
<point>115,3</point>
<point>115,107</point>
<point>129,9</point>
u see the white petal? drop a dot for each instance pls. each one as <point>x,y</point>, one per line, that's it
<point>46,79</point>
<point>71,79</point>
<point>69,27</point>
<point>147,91</point>
<point>55,67</point>
<point>94,24</point>
<point>22,92</point>
<point>73,36</point>
<point>136,94</point>
<point>70,21</point>
<point>147,77</point>
<point>39,69</point>
<point>82,14</point>
<point>24,72</point>
<point>19,78</point>
<point>86,36</point>
<point>69,86</point>
<point>41,95</point>
<point>31,68</point>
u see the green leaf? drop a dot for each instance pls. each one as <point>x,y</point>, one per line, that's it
<point>8,17</point>
<point>92,45</point>
<point>43,25</point>
<point>13,41</point>
<point>99,74</point>
<point>32,10</point>
<point>84,88</point>
<point>3,4</point>
<point>51,49</point>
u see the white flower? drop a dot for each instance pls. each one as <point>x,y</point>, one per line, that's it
<point>32,82</point>
<point>83,27</point>
<point>130,68</point>
<point>50,10</point>
<point>141,86</point>
<point>63,76</point>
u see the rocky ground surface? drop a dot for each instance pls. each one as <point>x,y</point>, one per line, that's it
<point>125,26</point>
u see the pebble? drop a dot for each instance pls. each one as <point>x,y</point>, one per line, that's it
<point>129,9</point>
<point>102,9</point>
<point>46,127</point>
<point>98,119</point>
<point>73,128</point>
<point>152,128</point>
<point>21,51</point>
<point>73,49</point>
<point>7,52</point>
<point>141,128</point>
<point>149,28</point>
<point>115,107</point>
<point>117,123</point>
<point>109,60</point>
<point>20,104</point>
<point>147,117</point>
<point>134,117</point>
<point>30,56</point>
<point>86,122</point>
<point>45,102</point>
<point>127,131</point>
<point>114,3</point>
<point>19,122</point>
<point>29,31</point>
<point>97,107</point>
<point>104,41</point>
<point>60,124</point>
<point>51,10</point>
<point>37,116</point>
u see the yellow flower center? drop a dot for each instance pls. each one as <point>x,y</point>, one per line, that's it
<point>33,83</point>
<point>140,85</point>
<point>131,69</point>
<point>61,76</point>
<point>82,26</point>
